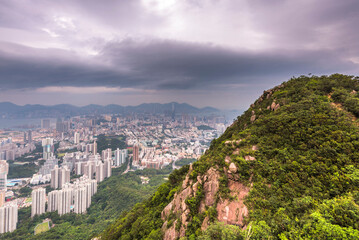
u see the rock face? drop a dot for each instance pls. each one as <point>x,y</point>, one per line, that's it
<point>233,212</point>
<point>230,212</point>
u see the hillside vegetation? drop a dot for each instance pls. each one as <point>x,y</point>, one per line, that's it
<point>288,168</point>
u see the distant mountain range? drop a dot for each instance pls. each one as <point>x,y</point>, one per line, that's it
<point>10,110</point>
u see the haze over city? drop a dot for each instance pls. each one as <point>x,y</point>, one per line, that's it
<point>205,53</point>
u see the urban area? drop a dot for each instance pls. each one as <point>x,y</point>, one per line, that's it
<point>67,157</point>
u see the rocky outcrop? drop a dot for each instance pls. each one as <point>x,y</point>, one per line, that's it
<point>232,168</point>
<point>249,158</point>
<point>178,207</point>
<point>253,117</point>
<point>274,106</point>
<point>233,212</point>
<point>230,212</point>
<point>210,188</point>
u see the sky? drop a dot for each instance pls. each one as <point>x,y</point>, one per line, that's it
<point>219,53</point>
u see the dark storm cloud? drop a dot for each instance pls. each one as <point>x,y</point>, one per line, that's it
<point>152,50</point>
<point>157,64</point>
<point>173,64</point>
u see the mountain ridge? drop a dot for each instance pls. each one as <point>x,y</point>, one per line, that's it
<point>11,110</point>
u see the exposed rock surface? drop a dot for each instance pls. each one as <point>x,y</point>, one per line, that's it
<point>249,158</point>
<point>230,212</point>
<point>232,168</point>
<point>233,212</point>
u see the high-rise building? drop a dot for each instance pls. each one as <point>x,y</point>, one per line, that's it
<point>107,168</point>
<point>45,123</point>
<point>64,200</point>
<point>29,136</point>
<point>99,171</point>
<point>2,197</point>
<point>38,201</point>
<point>89,169</point>
<point>94,147</point>
<point>48,148</point>
<point>124,154</point>
<point>4,169</point>
<point>136,152</point>
<point>55,177</point>
<point>80,198</point>
<point>59,176</point>
<point>8,217</point>
<point>25,140</point>
<point>49,164</point>
<point>76,138</point>
<point>120,157</point>
<point>59,125</point>
<point>77,195</point>
<point>107,154</point>
<point>117,161</point>
<point>52,201</point>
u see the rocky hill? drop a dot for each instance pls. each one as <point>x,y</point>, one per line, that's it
<point>288,168</point>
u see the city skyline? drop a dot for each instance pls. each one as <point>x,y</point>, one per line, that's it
<point>140,51</point>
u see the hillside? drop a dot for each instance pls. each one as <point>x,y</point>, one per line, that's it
<point>288,168</point>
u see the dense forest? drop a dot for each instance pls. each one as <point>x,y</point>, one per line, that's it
<point>303,174</point>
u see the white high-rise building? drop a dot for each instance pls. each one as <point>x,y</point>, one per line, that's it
<point>124,154</point>
<point>120,157</point>
<point>48,148</point>
<point>77,195</point>
<point>117,161</point>
<point>64,176</point>
<point>64,200</point>
<point>8,217</point>
<point>94,147</point>
<point>89,169</point>
<point>4,169</point>
<point>59,176</point>
<point>52,201</point>
<point>107,168</point>
<point>107,153</point>
<point>38,201</point>
<point>80,199</point>
<point>76,138</point>
<point>55,177</point>
<point>99,171</point>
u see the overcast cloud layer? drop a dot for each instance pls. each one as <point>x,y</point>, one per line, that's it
<point>222,53</point>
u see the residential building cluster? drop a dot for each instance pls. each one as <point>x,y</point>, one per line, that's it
<point>11,151</point>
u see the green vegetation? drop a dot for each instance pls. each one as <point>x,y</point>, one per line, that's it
<point>204,127</point>
<point>22,171</point>
<point>25,170</point>
<point>185,161</point>
<point>41,227</point>
<point>113,142</point>
<point>305,177</point>
<point>24,192</point>
<point>144,220</point>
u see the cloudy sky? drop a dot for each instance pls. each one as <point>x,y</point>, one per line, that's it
<point>220,53</point>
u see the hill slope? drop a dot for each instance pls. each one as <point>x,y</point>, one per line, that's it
<point>288,168</point>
